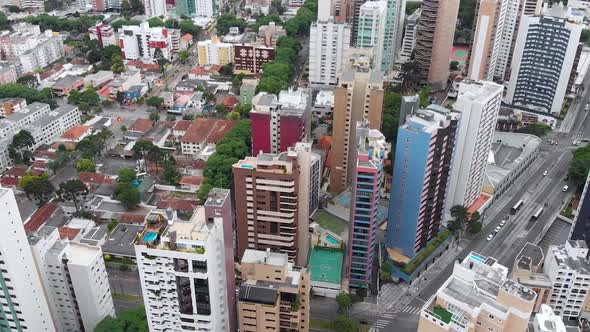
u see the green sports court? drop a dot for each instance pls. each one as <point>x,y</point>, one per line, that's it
<point>326,265</point>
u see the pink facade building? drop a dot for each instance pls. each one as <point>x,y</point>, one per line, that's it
<point>104,34</point>
<point>279,123</point>
<point>7,75</point>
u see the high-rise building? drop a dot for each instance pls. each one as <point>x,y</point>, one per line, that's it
<point>358,97</point>
<point>568,269</point>
<point>272,204</point>
<point>581,228</point>
<point>434,41</point>
<point>155,8</point>
<point>250,59</point>
<point>547,321</point>
<point>74,278</point>
<point>142,42</point>
<point>214,52</point>
<point>394,29</point>
<point>218,205</point>
<point>371,28</point>
<point>371,151</point>
<point>528,271</point>
<point>182,268</point>
<point>487,38</point>
<point>279,123</point>
<point>104,34</point>
<point>478,297</point>
<point>353,13</point>
<point>409,41</point>
<point>515,9</point>
<point>328,42</point>
<point>274,295</point>
<point>315,174</point>
<point>478,102</point>
<point>423,158</point>
<point>195,8</point>
<point>536,83</point>
<point>24,306</point>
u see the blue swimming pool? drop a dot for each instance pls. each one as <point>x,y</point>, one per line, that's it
<point>150,236</point>
<point>332,240</point>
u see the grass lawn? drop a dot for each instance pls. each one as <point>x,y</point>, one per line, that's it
<point>330,222</point>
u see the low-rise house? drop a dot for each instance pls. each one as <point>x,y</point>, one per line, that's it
<point>191,183</point>
<point>168,98</point>
<point>99,79</point>
<point>204,131</point>
<point>63,86</point>
<point>189,85</point>
<point>140,126</point>
<point>199,73</point>
<point>157,135</point>
<point>183,103</point>
<point>75,134</point>
<point>11,105</point>
<point>186,41</point>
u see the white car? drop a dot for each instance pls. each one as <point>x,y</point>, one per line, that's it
<point>502,223</point>
<point>565,188</point>
<point>497,229</point>
<point>491,236</point>
<point>545,173</point>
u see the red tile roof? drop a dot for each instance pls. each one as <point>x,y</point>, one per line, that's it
<point>207,130</point>
<point>8,182</point>
<point>68,145</point>
<point>325,143</point>
<point>75,132</point>
<point>186,37</point>
<point>215,68</point>
<point>191,180</point>
<point>92,177</point>
<point>45,155</point>
<point>39,164</point>
<point>141,125</point>
<point>40,217</point>
<point>167,124</point>
<point>16,172</point>
<point>178,204</point>
<point>230,101</point>
<point>133,218</point>
<point>68,233</point>
<point>182,125</point>
<point>201,71</point>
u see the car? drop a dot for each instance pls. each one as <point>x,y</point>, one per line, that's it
<point>587,107</point>
<point>502,223</point>
<point>545,173</point>
<point>491,236</point>
<point>497,229</point>
<point>565,188</point>
<point>586,140</point>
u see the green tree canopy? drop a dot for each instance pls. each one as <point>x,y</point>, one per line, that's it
<point>155,22</point>
<point>85,165</point>
<point>20,149</point>
<point>129,196</point>
<point>226,21</point>
<point>580,166</point>
<point>133,320</point>
<point>74,191</point>
<point>37,187</point>
<point>154,101</point>
<point>12,90</point>
<point>344,301</point>
<point>126,175</point>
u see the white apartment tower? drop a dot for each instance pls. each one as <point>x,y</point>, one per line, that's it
<point>141,42</point>
<point>478,103</point>
<point>515,9</point>
<point>182,271</point>
<point>75,280</point>
<point>328,42</point>
<point>155,8</point>
<point>491,15</point>
<point>409,40</point>
<point>371,25</point>
<point>568,269</point>
<point>535,82</point>
<point>23,304</point>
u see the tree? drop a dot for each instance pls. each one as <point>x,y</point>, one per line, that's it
<point>129,196</point>
<point>85,165</point>
<point>155,22</point>
<point>141,149</point>
<point>123,128</point>
<point>16,90</point>
<point>154,155</point>
<point>233,115</point>
<point>155,102</point>
<point>37,187</point>
<point>29,81</point>
<point>344,324</point>
<point>154,116</point>
<point>276,7</point>
<point>580,166</point>
<point>126,175</point>
<point>458,224</point>
<point>474,227</point>
<point>133,320</point>
<point>221,108</point>
<point>272,85</point>
<point>74,191</point>
<point>188,26</point>
<point>226,21</point>
<point>171,24</point>
<point>103,137</point>
<point>184,55</point>
<point>88,147</point>
<point>585,36</point>
<point>454,65</point>
<point>227,69</point>
<point>160,59</point>
<point>344,301</point>
<point>537,129</point>
<point>20,150</point>
<point>424,96</point>
<point>171,175</point>
<point>117,64</point>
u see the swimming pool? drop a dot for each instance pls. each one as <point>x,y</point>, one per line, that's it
<point>150,236</point>
<point>332,240</point>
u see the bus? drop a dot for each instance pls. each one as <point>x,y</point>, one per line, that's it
<point>516,207</point>
<point>537,214</point>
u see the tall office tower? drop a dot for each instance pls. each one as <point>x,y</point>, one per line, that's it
<point>155,8</point>
<point>371,151</point>
<point>434,41</point>
<point>409,41</point>
<point>24,305</point>
<point>371,28</point>
<point>568,269</point>
<point>354,10</point>
<point>479,104</point>
<point>272,204</point>
<point>487,38</point>
<point>279,123</point>
<point>218,205</point>
<point>536,83</point>
<point>515,9</point>
<point>358,97</point>
<point>394,29</point>
<point>328,42</point>
<point>75,280</point>
<point>182,269</point>
<point>478,297</point>
<point>274,295</point>
<point>581,229</point>
<point>422,165</point>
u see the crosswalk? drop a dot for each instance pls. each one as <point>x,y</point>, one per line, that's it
<point>412,310</point>
<point>386,318</point>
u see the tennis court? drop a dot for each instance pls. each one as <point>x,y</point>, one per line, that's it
<point>460,53</point>
<point>326,265</point>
